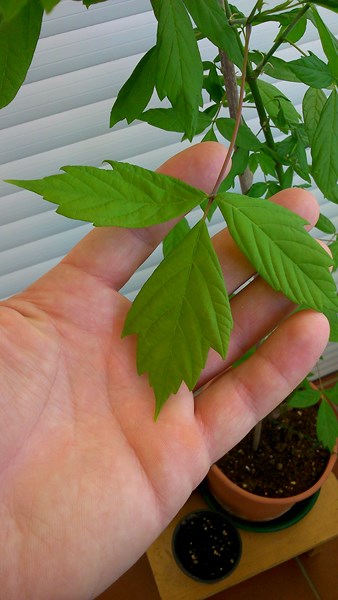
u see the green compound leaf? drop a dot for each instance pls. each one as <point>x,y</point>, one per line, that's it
<point>175,236</point>
<point>327,425</point>
<point>278,106</point>
<point>334,250</point>
<point>325,224</point>
<point>167,119</point>
<point>245,137</point>
<point>127,196</point>
<point>135,94</point>
<point>313,103</point>
<point>324,149</point>
<point>18,39</point>
<point>179,65</point>
<point>180,313</point>
<point>211,20</point>
<point>312,71</point>
<point>329,42</point>
<point>276,67</point>
<point>283,253</point>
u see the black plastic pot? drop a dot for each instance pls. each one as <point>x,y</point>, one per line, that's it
<point>206,546</point>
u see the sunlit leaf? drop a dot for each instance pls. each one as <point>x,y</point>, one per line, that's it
<point>180,313</point>
<point>329,42</point>
<point>324,149</point>
<point>18,39</point>
<point>175,236</point>
<point>179,66</point>
<point>283,253</point>
<point>211,20</point>
<point>168,120</point>
<point>135,94</point>
<point>127,196</point>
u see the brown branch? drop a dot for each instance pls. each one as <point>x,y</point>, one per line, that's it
<point>230,82</point>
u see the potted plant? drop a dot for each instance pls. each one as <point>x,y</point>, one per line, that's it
<point>177,324</point>
<point>283,461</point>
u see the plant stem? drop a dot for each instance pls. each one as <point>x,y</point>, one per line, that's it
<point>238,116</point>
<point>229,76</point>
<point>279,40</point>
<point>263,119</point>
<point>257,436</point>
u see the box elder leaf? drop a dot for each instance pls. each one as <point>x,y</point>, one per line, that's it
<point>180,313</point>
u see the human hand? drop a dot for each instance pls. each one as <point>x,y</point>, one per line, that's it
<point>88,479</point>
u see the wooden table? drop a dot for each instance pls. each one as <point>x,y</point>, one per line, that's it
<point>261,551</point>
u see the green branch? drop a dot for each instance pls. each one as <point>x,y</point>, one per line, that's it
<point>279,40</point>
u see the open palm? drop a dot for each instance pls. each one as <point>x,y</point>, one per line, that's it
<point>88,479</point>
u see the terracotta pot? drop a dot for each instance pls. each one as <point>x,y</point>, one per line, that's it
<point>251,507</point>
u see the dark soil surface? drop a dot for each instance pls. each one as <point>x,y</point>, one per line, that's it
<point>207,546</point>
<point>288,461</point>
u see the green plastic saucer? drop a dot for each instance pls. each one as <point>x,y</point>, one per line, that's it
<point>292,516</point>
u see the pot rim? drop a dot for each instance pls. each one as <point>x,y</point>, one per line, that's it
<point>231,528</point>
<point>216,471</point>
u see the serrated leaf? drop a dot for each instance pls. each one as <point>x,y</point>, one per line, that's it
<point>18,39</point>
<point>329,43</point>
<point>297,31</point>
<point>212,84</point>
<point>168,120</point>
<point>258,189</point>
<point>312,71</point>
<point>304,398</point>
<point>245,138</point>
<point>327,425</point>
<point>239,162</point>
<point>324,149</point>
<point>275,103</point>
<point>9,9</point>
<point>127,196</point>
<point>313,103</point>
<point>324,224</point>
<point>210,136</point>
<point>135,94</point>
<point>283,253</point>
<point>175,236</point>
<point>275,67</point>
<point>211,20</point>
<point>180,313</point>
<point>334,250</point>
<point>179,66</point>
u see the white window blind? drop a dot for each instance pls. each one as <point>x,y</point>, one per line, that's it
<point>61,116</point>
